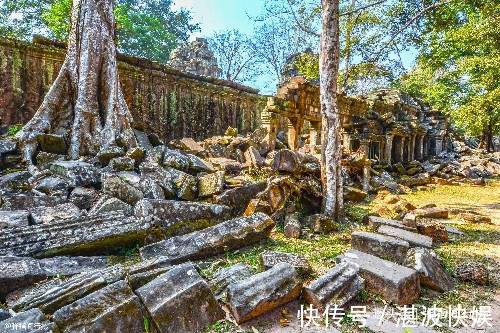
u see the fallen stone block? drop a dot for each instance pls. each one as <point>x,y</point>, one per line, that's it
<point>107,154</point>
<point>432,273</point>
<point>262,293</point>
<point>185,185</point>
<point>15,182</point>
<point>14,219</point>
<point>18,272</point>
<point>83,197</point>
<point>108,205</point>
<point>339,286</point>
<point>228,275</point>
<point>268,259</point>
<point>197,164</point>
<point>180,301</point>
<point>413,238</point>
<point>434,229</point>
<point>52,143</point>
<point>409,220</point>
<point>214,240</point>
<point>353,194</point>
<point>32,321</point>
<point>433,212</point>
<point>474,218</point>
<point>114,308</point>
<point>48,215</point>
<point>210,184</point>
<point>115,186</point>
<point>77,173</point>
<point>472,271</point>
<point>52,185</point>
<point>292,226</point>
<point>239,198</point>
<point>122,164</point>
<point>393,282</point>
<point>319,223</point>
<point>176,160</point>
<point>84,235</point>
<point>386,247</point>
<point>180,217</point>
<point>28,202</point>
<point>375,222</point>
<point>253,157</point>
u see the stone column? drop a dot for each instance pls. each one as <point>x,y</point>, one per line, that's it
<point>270,121</point>
<point>411,153</point>
<point>315,133</point>
<point>366,176</point>
<point>402,149</point>
<point>439,145</point>
<point>421,148</point>
<point>365,145</point>
<point>346,141</point>
<point>294,130</point>
<point>388,147</point>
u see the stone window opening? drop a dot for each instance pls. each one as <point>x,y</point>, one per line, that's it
<point>374,150</point>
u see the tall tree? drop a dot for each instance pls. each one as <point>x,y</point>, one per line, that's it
<point>331,170</point>
<point>85,103</point>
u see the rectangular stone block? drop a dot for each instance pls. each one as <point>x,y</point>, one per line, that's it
<point>393,282</point>
<point>382,246</point>
<point>180,301</point>
<point>14,219</point>
<point>214,240</point>
<point>411,237</point>
<point>375,222</point>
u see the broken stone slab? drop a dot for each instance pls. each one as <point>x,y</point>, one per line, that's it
<point>393,282</point>
<point>186,144</point>
<point>375,222</point>
<point>386,247</point>
<point>413,238</point>
<point>214,240</point>
<point>18,272</point>
<point>292,226</point>
<point>228,275</point>
<point>153,173</point>
<point>105,155</point>
<point>122,163</point>
<point>319,223</point>
<point>47,215</point>
<point>474,218</point>
<point>83,197</point>
<point>239,198</point>
<point>108,205</point>
<point>181,301</point>
<point>180,217</point>
<point>114,308</point>
<point>29,202</point>
<point>433,229</point>
<point>52,143</point>
<point>472,271</point>
<point>77,173</point>
<point>8,146</point>
<point>176,160</point>
<point>409,220</point>
<point>197,164</point>
<point>184,184</point>
<point>43,159</point>
<point>354,194</point>
<point>339,286</point>
<point>432,273</point>
<point>137,154</point>
<point>14,219</point>
<point>453,230</point>
<point>432,212</point>
<point>253,157</point>
<point>84,235</point>
<point>52,185</point>
<point>295,162</point>
<point>32,321</point>
<point>210,184</point>
<point>142,139</point>
<point>264,292</point>
<point>16,182</point>
<point>269,259</point>
<point>117,187</point>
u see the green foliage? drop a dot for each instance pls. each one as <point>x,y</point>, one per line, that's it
<point>222,326</point>
<point>308,65</point>
<point>14,129</point>
<point>147,28</point>
<point>146,325</point>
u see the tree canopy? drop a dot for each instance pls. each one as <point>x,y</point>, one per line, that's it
<point>148,28</point>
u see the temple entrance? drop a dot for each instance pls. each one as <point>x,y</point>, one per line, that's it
<point>396,149</point>
<point>406,151</point>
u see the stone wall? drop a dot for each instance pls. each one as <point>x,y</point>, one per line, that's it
<point>170,102</point>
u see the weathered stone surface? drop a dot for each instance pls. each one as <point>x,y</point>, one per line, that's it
<point>430,168</point>
<point>433,212</point>
<point>409,220</point>
<point>142,139</point>
<point>15,182</point>
<point>4,314</point>
<point>8,146</point>
<point>472,271</point>
<point>211,241</point>
<point>210,184</point>
<point>197,164</point>
<point>18,272</point>
<point>226,276</point>
<point>52,143</point>
<point>292,226</point>
<point>239,198</point>
<point>181,301</point>
<point>52,185</point>
<point>175,159</point>
<point>28,202</point>
<point>180,217</point>
<point>83,235</point>
<point>354,194</point>
<point>116,187</point>
<point>432,273</point>
<point>154,173</point>
<point>270,258</point>
<point>411,237</point>
<point>261,293</point>
<point>195,57</point>
<point>76,172</point>
<point>185,185</point>
<point>122,163</point>
<point>14,219</point>
<point>114,308</point>
<point>253,157</point>
<point>32,321</point>
<point>375,222</point>
<point>83,197</point>
<point>339,286</point>
<point>433,229</point>
<point>295,162</point>
<point>386,247</point>
<point>419,180</point>
<point>186,144</point>
<point>47,215</point>
<point>393,282</point>
<point>137,154</point>
<point>319,223</point>
<point>108,205</point>
<point>43,159</point>
<point>474,218</point>
<point>106,155</point>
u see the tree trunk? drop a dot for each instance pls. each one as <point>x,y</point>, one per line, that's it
<point>331,170</point>
<point>347,51</point>
<point>85,103</point>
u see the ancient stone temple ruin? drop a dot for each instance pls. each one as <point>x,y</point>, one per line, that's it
<point>195,58</point>
<point>388,125</point>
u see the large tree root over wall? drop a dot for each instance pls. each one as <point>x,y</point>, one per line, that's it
<point>85,103</point>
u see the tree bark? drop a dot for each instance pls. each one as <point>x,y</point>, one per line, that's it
<point>331,170</point>
<point>85,103</point>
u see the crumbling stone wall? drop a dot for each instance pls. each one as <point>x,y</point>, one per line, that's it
<point>170,102</point>
<point>195,58</point>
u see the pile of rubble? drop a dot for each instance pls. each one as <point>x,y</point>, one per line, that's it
<point>180,203</point>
